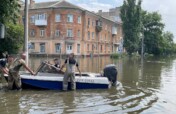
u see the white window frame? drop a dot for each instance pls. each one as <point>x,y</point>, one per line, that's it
<point>42,48</point>
<point>57,18</point>
<point>58,48</point>
<point>69,47</point>
<point>70,18</point>
<point>69,33</point>
<point>88,35</point>
<point>93,35</point>
<point>32,19</point>
<point>42,32</point>
<point>42,16</point>
<point>79,19</point>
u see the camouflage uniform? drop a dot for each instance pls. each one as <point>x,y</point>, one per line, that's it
<point>14,76</point>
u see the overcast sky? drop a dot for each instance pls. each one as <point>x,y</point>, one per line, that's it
<point>167,8</point>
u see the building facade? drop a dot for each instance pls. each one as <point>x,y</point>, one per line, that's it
<point>61,28</point>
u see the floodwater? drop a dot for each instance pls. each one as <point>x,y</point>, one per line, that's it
<point>147,87</point>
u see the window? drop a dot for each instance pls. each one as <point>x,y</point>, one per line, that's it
<point>32,46</point>
<point>87,47</point>
<point>92,47</point>
<point>69,18</point>
<point>105,37</point>
<point>42,33</point>
<point>93,23</point>
<point>92,35</point>
<point>58,48</point>
<point>79,19</point>
<point>57,17</point>
<point>69,48</point>
<point>79,33</point>
<point>32,19</point>
<point>32,33</point>
<point>101,48</point>
<point>42,16</point>
<point>88,21</point>
<point>88,35</point>
<point>42,47</point>
<point>78,48</point>
<point>69,33</point>
<point>57,33</point>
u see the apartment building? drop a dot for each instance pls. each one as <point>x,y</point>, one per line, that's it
<point>60,27</point>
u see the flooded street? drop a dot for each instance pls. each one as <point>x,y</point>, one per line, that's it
<point>146,88</point>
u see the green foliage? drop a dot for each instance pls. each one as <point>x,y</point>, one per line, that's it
<point>135,21</point>
<point>156,41</point>
<point>115,55</point>
<point>118,55</point>
<point>9,10</point>
<point>153,28</point>
<point>131,18</point>
<point>13,40</point>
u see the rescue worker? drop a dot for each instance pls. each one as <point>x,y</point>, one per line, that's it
<point>70,64</point>
<point>14,77</point>
<point>3,61</point>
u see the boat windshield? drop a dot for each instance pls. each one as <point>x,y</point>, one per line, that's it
<point>48,68</point>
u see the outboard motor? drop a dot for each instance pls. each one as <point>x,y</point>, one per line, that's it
<point>110,71</point>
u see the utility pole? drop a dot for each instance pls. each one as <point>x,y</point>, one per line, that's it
<point>26,31</point>
<point>142,45</point>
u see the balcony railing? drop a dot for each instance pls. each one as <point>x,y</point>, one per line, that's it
<point>98,25</point>
<point>41,22</point>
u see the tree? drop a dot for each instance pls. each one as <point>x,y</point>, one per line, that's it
<point>13,40</point>
<point>168,43</point>
<point>153,29</point>
<point>131,18</point>
<point>9,10</point>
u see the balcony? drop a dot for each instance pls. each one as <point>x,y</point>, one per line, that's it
<point>41,22</point>
<point>98,25</point>
<point>70,40</point>
<point>114,30</point>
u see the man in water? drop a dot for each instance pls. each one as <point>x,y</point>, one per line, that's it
<point>70,64</point>
<point>14,76</point>
<point>3,61</point>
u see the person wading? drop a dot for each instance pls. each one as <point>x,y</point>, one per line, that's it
<point>70,64</point>
<point>14,77</point>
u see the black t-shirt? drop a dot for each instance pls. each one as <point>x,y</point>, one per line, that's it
<point>72,61</point>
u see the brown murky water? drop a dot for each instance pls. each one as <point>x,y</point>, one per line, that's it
<point>147,88</point>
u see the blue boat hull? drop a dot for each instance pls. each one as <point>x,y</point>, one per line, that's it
<point>57,85</point>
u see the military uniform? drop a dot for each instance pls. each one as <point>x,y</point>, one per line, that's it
<point>14,76</point>
<point>70,74</point>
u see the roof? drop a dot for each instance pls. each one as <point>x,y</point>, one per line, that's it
<point>62,4</point>
<point>55,4</point>
<point>43,5</point>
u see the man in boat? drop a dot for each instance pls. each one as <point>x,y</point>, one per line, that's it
<point>56,63</point>
<point>14,77</point>
<point>70,64</point>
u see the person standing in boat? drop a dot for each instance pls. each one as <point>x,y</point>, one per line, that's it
<point>14,76</point>
<point>70,64</point>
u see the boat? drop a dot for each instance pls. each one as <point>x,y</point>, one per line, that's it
<point>49,78</point>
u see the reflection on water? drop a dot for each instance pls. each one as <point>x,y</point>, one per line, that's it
<point>150,89</point>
